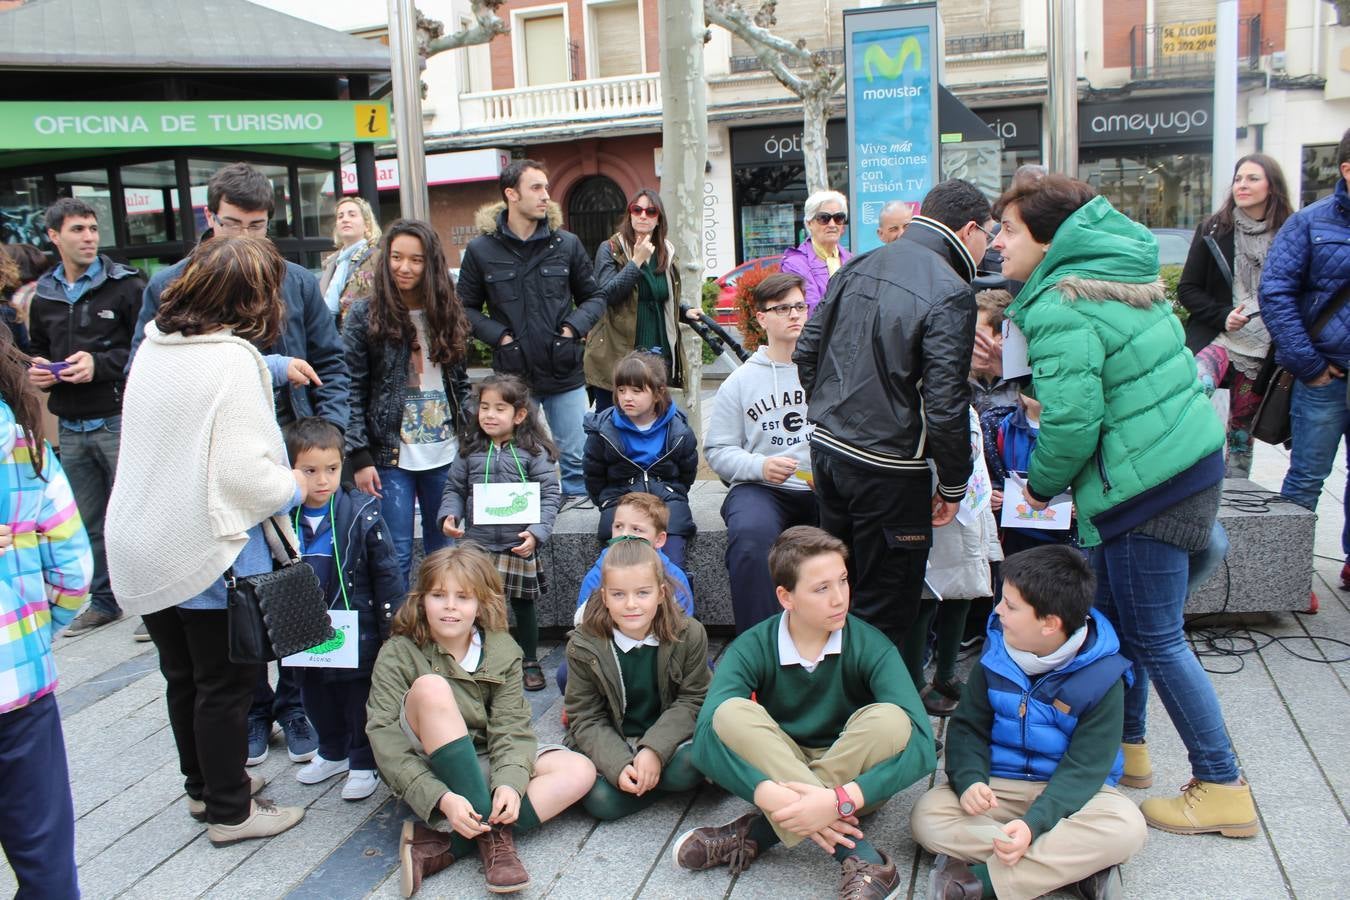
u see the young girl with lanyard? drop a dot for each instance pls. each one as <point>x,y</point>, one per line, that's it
<point>344,538</point>
<point>505,478</point>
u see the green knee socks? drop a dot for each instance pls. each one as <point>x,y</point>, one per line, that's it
<point>527,627</point>
<point>456,765</point>
<point>607,803</point>
<point>916,640</point>
<point>981,871</point>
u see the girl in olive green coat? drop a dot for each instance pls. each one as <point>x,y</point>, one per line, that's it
<point>450,727</point>
<point>639,673</point>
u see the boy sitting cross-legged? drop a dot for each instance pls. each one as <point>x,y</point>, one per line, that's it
<point>1034,748</point>
<point>837,730</point>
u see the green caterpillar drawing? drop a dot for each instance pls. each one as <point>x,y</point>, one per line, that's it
<point>519,500</point>
<point>332,645</point>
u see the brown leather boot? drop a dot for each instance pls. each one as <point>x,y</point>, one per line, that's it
<point>502,868</point>
<point>422,851</point>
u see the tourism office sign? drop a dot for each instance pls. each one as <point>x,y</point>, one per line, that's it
<point>48,126</point>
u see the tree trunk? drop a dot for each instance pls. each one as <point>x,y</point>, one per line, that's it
<point>815,113</point>
<point>684,154</point>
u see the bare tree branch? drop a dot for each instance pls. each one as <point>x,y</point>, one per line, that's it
<point>432,38</point>
<point>773,51</point>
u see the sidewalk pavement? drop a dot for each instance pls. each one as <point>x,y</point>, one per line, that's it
<point>1289,719</point>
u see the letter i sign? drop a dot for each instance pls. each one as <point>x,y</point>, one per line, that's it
<point>372,120</point>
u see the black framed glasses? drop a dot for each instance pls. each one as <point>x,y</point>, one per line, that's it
<point>786,309</point>
<point>838,218</point>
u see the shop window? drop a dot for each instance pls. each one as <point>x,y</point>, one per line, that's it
<point>1152,185</point>
<point>594,210</point>
<point>542,55</point>
<point>150,192</point>
<point>317,209</point>
<point>772,201</point>
<point>616,39</point>
<point>91,186</point>
<point>200,172</point>
<point>23,206</point>
<point>1318,174</point>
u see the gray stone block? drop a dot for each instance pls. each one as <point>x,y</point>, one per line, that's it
<point>1269,564</point>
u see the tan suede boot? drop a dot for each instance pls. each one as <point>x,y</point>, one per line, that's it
<point>1204,807</point>
<point>502,868</point>
<point>422,851</point>
<point>1138,769</point>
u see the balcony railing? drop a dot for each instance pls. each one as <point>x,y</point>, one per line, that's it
<point>1166,50</point>
<point>595,98</point>
<point>956,46</point>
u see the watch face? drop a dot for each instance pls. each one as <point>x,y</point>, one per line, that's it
<point>846,809</point>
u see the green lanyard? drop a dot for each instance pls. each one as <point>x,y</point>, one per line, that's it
<point>337,558</point>
<point>487,470</point>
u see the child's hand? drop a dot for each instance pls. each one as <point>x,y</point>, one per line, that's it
<point>628,779</point>
<point>814,809</point>
<point>527,544</point>
<point>647,765</point>
<point>450,529</point>
<point>505,806</point>
<point>301,374</point>
<point>368,481</point>
<point>841,832</point>
<point>996,500</point>
<point>1009,852</point>
<point>978,799</point>
<point>6,538</point>
<point>460,813</point>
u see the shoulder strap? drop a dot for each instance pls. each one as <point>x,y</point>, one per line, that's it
<point>1219,259</point>
<point>1329,311</point>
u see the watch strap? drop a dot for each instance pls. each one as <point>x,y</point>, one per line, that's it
<point>843,798</point>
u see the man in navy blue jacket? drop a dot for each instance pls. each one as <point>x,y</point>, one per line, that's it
<point>1307,270</point>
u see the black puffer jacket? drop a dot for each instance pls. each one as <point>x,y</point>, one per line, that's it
<point>531,289</point>
<point>610,473</point>
<point>379,385</point>
<point>885,358</point>
<point>1203,289</point>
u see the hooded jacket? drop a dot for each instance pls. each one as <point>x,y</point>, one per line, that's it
<point>1308,262</point>
<point>530,289</point>
<point>664,465</point>
<point>102,322</point>
<point>886,357</point>
<point>759,411</point>
<point>616,333</point>
<point>1124,412</point>
<point>471,468</point>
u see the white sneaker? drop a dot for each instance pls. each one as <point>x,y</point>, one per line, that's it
<point>319,769</point>
<point>361,783</point>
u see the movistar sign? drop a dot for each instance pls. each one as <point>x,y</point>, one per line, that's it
<point>877,60</point>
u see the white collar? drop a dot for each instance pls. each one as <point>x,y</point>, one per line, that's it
<point>1034,665</point>
<point>625,643</point>
<point>475,653</point>
<point>788,655</point>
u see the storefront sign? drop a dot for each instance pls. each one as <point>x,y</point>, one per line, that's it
<point>1148,120</point>
<point>1189,38</point>
<point>442,168</point>
<point>49,126</point>
<point>1019,127</point>
<point>782,144</point>
<point>891,78</point>
<point>719,236</point>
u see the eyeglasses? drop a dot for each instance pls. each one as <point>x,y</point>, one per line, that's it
<point>650,212</point>
<point>234,226</point>
<point>787,309</point>
<point>838,218</point>
<point>987,233</point>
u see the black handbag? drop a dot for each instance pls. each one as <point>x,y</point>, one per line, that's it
<point>274,614</point>
<point>1271,422</point>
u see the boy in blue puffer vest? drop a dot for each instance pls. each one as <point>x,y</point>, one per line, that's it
<point>1033,751</point>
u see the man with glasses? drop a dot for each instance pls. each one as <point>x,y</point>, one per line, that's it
<point>884,362</point>
<point>758,442</point>
<point>240,201</point>
<point>818,257</point>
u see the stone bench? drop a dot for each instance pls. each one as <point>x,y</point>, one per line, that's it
<point>1269,564</point>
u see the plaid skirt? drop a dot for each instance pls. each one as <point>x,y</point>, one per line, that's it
<point>522,576</point>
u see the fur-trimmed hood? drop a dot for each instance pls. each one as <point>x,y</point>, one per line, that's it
<point>1140,296</point>
<point>486,216</point>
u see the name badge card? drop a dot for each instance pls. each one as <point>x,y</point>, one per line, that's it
<point>1017,513</point>
<point>1015,363</point>
<point>338,652</point>
<point>506,503</point>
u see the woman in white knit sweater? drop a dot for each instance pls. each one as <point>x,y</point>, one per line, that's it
<point>202,465</point>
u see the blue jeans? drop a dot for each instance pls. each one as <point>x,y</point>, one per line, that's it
<point>1319,419</point>
<point>37,818</point>
<point>1204,562</point>
<point>90,459</point>
<point>564,413</point>
<point>1141,588</point>
<point>403,491</point>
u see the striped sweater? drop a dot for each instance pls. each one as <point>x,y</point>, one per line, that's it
<point>44,578</point>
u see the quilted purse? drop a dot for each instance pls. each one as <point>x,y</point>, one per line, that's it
<point>274,614</point>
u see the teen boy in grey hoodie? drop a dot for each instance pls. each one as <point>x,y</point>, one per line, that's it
<point>758,441</point>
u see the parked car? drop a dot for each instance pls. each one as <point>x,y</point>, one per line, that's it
<point>726,299</point>
<point>1173,245</point>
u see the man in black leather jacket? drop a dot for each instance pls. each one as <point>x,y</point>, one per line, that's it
<point>537,284</point>
<point>884,362</point>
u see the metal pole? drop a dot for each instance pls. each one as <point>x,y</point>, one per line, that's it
<point>407,96</point>
<point>1062,70</point>
<point>1225,100</point>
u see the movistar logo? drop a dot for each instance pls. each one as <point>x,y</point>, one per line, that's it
<point>889,67</point>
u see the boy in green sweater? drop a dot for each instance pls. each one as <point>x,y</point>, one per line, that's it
<point>838,728</point>
<point>1033,751</point>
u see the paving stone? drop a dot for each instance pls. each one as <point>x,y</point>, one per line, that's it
<point>282,862</point>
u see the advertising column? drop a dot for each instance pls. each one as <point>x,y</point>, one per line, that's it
<point>891,73</point>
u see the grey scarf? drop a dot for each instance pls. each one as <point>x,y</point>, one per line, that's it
<point>1248,345</point>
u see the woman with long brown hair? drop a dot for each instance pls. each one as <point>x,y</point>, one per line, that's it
<point>202,467</point>
<point>636,269</point>
<point>1219,287</point>
<point>405,353</point>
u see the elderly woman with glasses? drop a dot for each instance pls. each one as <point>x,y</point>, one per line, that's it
<point>637,271</point>
<point>818,257</point>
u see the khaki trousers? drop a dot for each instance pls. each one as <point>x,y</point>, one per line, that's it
<point>872,735</point>
<point>1107,831</point>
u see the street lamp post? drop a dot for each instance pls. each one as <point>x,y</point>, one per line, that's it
<point>406,82</point>
<point>1063,88</point>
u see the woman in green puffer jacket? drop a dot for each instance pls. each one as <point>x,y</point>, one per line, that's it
<point>1128,427</point>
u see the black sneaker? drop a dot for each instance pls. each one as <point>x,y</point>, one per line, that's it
<point>259,733</point>
<point>301,742</point>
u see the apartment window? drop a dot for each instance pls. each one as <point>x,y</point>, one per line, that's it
<point>1318,174</point>
<point>542,54</point>
<point>616,39</point>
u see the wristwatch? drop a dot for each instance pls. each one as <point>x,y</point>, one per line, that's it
<point>845,805</point>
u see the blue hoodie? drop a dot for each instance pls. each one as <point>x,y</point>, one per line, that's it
<point>644,447</point>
